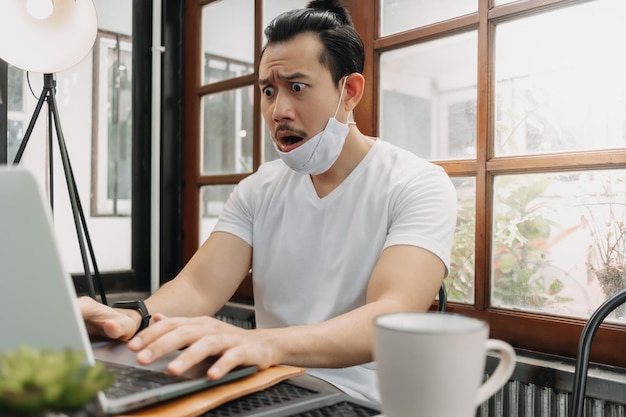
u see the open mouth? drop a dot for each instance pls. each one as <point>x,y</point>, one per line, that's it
<point>288,141</point>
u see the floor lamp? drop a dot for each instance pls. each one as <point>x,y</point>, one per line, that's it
<point>48,36</point>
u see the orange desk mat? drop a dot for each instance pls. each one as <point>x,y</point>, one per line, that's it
<point>200,402</point>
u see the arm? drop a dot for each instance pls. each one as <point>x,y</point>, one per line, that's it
<point>405,278</point>
<point>208,280</point>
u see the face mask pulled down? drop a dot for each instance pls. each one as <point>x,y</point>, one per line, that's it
<point>320,152</point>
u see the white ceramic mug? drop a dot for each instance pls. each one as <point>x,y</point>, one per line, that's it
<point>432,364</point>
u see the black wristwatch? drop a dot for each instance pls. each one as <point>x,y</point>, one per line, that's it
<point>139,306</point>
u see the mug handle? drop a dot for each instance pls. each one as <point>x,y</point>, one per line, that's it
<point>501,374</point>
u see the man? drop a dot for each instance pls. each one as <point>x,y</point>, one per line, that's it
<point>344,228</point>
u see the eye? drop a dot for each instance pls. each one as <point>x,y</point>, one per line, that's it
<point>268,91</point>
<point>298,87</point>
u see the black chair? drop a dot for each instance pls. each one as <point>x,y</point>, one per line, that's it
<point>443,299</point>
<point>584,348</point>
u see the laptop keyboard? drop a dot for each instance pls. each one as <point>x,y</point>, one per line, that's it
<point>129,380</point>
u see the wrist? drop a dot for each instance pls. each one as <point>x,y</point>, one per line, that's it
<point>139,308</point>
<point>134,315</point>
<point>277,345</point>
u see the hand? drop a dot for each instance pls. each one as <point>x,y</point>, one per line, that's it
<point>106,321</point>
<point>201,337</point>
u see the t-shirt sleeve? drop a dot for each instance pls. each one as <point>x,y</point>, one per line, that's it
<point>424,214</point>
<point>237,216</point>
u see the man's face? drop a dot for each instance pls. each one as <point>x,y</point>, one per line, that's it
<point>297,92</point>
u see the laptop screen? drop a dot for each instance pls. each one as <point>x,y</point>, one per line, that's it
<point>37,297</point>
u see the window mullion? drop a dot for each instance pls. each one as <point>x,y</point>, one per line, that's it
<point>483,153</point>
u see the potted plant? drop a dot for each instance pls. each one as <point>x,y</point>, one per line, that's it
<point>37,382</point>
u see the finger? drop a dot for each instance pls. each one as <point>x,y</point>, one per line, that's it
<point>228,361</point>
<point>150,334</point>
<point>195,353</point>
<point>166,336</point>
<point>159,317</point>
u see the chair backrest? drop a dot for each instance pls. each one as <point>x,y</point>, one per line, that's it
<point>442,303</point>
<point>584,348</point>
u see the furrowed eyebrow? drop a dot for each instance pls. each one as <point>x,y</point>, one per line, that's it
<point>291,77</point>
<point>286,77</point>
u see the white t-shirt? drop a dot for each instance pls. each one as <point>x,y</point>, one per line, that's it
<point>313,257</point>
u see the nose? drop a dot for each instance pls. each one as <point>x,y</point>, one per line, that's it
<point>283,109</point>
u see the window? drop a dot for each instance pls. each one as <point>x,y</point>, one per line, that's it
<point>428,97</point>
<point>226,136</point>
<point>530,124</point>
<point>112,125</point>
<point>527,120</point>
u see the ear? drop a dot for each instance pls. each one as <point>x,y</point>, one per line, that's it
<point>355,84</point>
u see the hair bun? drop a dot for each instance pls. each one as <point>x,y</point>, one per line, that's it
<point>334,6</point>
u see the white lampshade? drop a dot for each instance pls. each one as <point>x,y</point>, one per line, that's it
<point>51,44</point>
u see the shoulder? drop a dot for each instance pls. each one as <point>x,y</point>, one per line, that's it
<point>413,181</point>
<point>404,165</point>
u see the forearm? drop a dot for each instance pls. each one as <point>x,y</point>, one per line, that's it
<point>207,281</point>
<point>179,298</point>
<point>161,302</point>
<point>347,339</point>
<point>343,341</point>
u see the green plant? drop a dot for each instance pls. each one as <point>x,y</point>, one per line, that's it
<point>521,232</point>
<point>522,273</point>
<point>460,281</point>
<point>32,380</point>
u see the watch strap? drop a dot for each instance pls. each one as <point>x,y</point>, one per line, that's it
<point>139,306</point>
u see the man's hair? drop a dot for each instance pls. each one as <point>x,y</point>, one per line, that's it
<point>343,51</point>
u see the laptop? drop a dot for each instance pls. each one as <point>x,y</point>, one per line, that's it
<point>38,300</point>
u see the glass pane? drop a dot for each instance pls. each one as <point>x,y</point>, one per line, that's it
<point>227,132</point>
<point>500,2</point>
<point>564,90</point>
<point>17,119</point>
<point>227,39</point>
<point>113,128</point>
<point>15,89</point>
<point>400,15</point>
<point>460,280</point>
<point>428,97</point>
<point>559,241</point>
<point>15,133</point>
<point>212,200</point>
<point>75,97</point>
